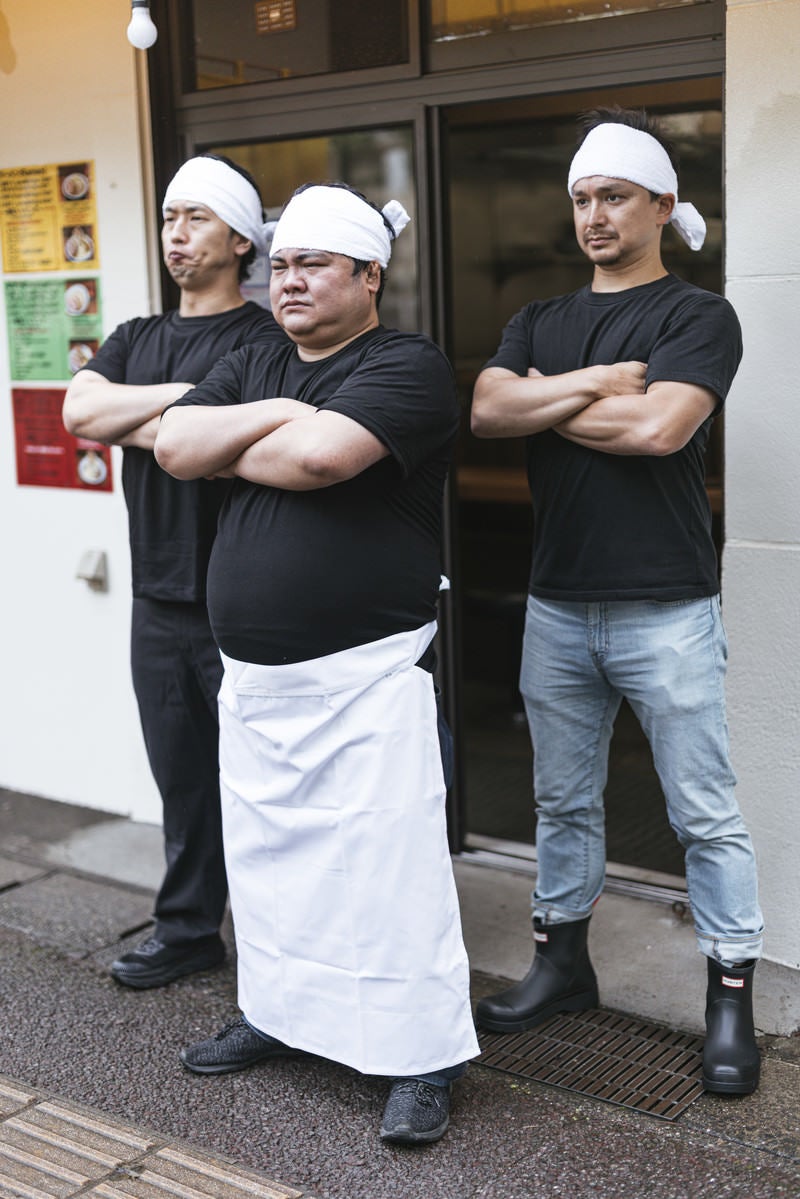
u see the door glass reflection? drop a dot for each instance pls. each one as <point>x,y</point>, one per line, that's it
<point>378,162</point>
<point>259,41</point>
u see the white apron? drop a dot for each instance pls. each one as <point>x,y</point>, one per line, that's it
<point>347,923</point>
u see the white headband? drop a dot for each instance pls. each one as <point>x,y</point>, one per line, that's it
<point>227,193</point>
<point>336,220</point>
<point>619,152</point>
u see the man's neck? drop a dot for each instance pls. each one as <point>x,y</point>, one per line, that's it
<point>308,353</point>
<point>211,301</point>
<point>622,278</point>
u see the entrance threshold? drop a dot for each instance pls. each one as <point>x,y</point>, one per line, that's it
<point>621,879</point>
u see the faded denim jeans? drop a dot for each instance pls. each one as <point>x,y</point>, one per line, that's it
<point>668,659</point>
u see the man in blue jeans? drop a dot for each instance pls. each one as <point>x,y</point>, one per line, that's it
<point>615,387</point>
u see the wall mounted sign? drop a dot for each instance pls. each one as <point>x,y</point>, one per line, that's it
<point>47,456</point>
<point>49,218</point>
<point>54,326</point>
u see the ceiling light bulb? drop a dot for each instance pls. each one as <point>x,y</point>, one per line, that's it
<point>142,33</point>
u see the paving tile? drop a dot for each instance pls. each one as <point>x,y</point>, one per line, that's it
<point>13,1097</point>
<point>52,1149</point>
<point>191,1174</point>
<point>13,872</point>
<point>73,914</point>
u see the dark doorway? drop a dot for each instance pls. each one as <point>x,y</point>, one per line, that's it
<point>511,240</point>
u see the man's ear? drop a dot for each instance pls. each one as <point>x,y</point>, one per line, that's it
<point>373,275</point>
<point>241,245</point>
<point>666,207</point>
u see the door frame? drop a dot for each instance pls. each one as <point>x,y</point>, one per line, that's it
<point>665,46</point>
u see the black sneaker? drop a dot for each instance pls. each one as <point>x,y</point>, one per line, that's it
<point>154,963</point>
<point>416,1112</point>
<point>234,1047</point>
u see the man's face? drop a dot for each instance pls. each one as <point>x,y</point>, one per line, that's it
<point>617,223</point>
<point>198,247</point>
<point>318,301</point>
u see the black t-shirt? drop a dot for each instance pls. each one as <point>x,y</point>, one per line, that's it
<point>172,524</point>
<point>613,526</point>
<point>296,575</point>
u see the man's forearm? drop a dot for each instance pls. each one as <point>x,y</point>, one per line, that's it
<point>143,437</point>
<point>657,423</point>
<point>307,455</point>
<point>195,441</point>
<point>108,412</point>
<point>509,405</point>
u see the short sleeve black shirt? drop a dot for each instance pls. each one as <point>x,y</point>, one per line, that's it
<point>172,524</point>
<point>612,526</point>
<point>296,575</point>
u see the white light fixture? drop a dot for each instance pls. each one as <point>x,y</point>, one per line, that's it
<point>142,33</point>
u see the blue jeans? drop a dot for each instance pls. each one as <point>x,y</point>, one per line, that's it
<point>668,659</point>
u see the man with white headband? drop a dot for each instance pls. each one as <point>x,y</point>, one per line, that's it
<point>213,230</point>
<point>323,588</point>
<point>615,387</point>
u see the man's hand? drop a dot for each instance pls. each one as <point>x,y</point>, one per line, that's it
<point>620,379</point>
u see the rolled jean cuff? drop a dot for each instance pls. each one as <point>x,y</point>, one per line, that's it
<point>548,913</point>
<point>729,950</point>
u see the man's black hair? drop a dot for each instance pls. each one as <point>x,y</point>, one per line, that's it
<point>359,264</point>
<point>635,118</point>
<point>246,261</point>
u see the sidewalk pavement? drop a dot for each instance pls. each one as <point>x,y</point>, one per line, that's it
<point>93,1100</point>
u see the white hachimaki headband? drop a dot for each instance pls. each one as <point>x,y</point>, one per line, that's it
<point>228,194</point>
<point>620,152</point>
<point>340,222</point>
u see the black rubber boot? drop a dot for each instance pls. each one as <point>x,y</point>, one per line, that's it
<point>561,979</point>
<point>731,1061</point>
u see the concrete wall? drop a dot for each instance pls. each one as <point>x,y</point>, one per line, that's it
<point>761,568</point>
<point>68,722</point>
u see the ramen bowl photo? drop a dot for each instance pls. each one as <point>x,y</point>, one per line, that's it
<point>77,299</point>
<point>78,244</point>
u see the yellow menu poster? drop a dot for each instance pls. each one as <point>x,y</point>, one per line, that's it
<point>48,218</point>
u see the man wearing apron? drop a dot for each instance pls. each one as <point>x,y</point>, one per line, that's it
<point>323,585</point>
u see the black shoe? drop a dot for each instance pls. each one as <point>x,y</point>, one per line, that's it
<point>154,964</point>
<point>234,1047</point>
<point>416,1112</point>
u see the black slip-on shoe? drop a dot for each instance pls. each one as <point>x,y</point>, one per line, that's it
<point>154,963</point>
<point>234,1047</point>
<point>416,1113</point>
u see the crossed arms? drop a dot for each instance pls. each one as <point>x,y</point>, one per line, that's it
<point>117,413</point>
<point>277,442</point>
<point>604,408</point>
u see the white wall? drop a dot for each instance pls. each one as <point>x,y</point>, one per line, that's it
<point>761,567</point>
<point>68,722</point>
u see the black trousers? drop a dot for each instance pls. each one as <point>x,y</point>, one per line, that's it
<point>176,676</point>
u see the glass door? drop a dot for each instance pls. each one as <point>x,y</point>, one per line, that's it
<point>379,162</point>
<point>511,240</point>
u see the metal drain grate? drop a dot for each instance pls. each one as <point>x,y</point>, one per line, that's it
<point>605,1055</point>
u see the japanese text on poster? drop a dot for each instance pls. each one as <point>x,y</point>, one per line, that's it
<point>49,218</point>
<point>47,456</point>
<point>54,326</point>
